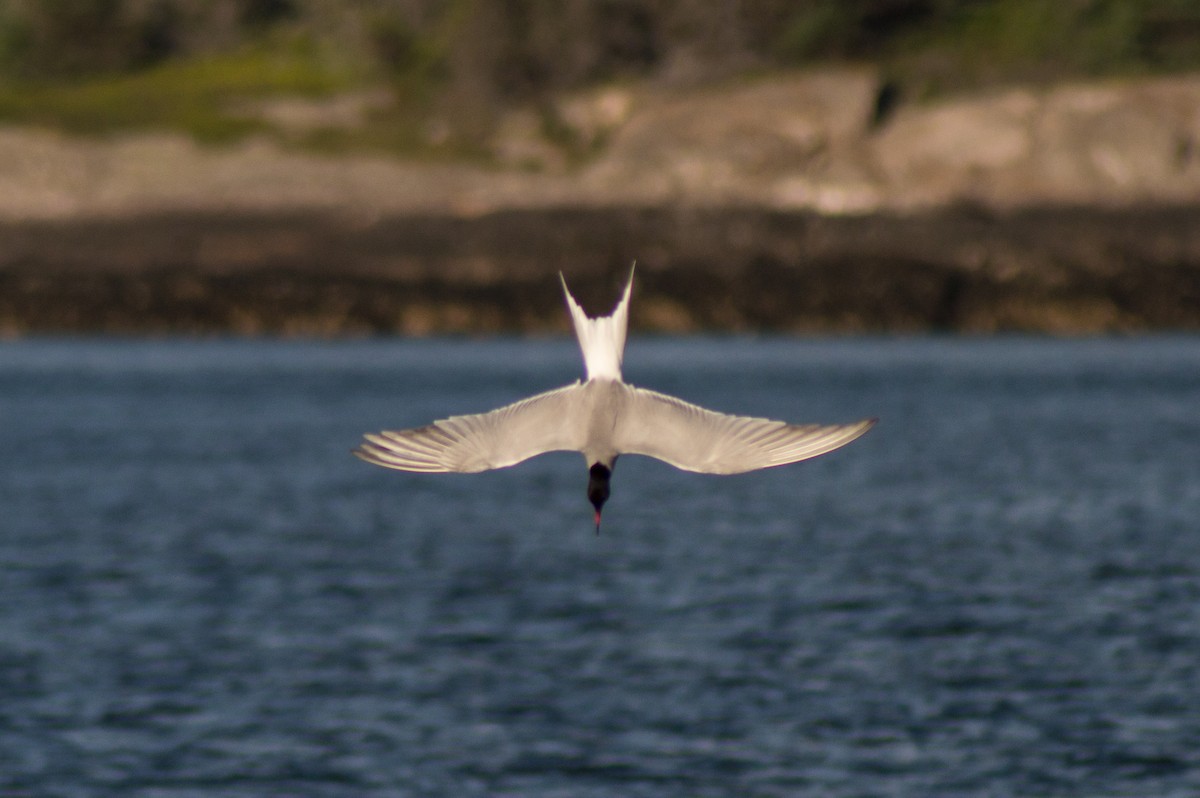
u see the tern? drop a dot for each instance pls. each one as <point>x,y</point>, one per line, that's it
<point>604,417</point>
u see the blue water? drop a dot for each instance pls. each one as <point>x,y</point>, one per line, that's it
<point>995,593</point>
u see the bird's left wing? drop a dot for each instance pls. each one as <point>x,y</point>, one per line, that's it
<point>695,439</point>
<point>483,441</point>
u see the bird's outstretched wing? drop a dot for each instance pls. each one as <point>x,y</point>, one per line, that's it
<point>503,437</point>
<point>695,439</point>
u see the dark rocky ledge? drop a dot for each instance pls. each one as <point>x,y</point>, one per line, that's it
<point>1056,270</point>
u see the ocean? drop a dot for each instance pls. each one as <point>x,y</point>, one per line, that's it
<point>996,592</point>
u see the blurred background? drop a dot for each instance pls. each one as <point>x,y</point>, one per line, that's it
<point>994,593</point>
<point>418,166</point>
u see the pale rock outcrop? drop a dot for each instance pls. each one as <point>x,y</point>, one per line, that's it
<point>801,142</point>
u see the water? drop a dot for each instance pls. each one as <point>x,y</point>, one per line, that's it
<point>995,593</point>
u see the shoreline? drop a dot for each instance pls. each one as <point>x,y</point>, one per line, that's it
<point>1057,270</point>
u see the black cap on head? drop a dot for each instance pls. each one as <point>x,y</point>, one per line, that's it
<point>598,477</point>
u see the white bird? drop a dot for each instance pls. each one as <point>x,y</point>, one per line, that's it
<point>604,417</point>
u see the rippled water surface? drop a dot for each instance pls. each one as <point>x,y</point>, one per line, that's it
<point>995,593</point>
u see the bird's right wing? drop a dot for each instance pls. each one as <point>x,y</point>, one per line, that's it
<point>695,439</point>
<point>483,441</point>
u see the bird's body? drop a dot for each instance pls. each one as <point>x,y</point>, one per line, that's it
<point>603,417</point>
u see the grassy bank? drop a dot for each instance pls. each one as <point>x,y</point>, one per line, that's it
<point>451,68</point>
<point>197,95</point>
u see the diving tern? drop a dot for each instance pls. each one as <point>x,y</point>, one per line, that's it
<point>604,417</point>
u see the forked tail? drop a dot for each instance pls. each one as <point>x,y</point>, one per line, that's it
<point>601,339</point>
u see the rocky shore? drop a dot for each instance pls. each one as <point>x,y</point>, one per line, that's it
<point>963,269</point>
<point>797,204</point>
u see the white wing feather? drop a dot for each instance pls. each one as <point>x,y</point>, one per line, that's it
<point>468,444</point>
<point>692,438</point>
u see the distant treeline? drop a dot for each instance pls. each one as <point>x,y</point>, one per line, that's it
<point>515,49</point>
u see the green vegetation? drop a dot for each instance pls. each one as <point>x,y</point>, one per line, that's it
<point>934,47</point>
<point>206,68</point>
<point>100,66</point>
<point>198,94</point>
